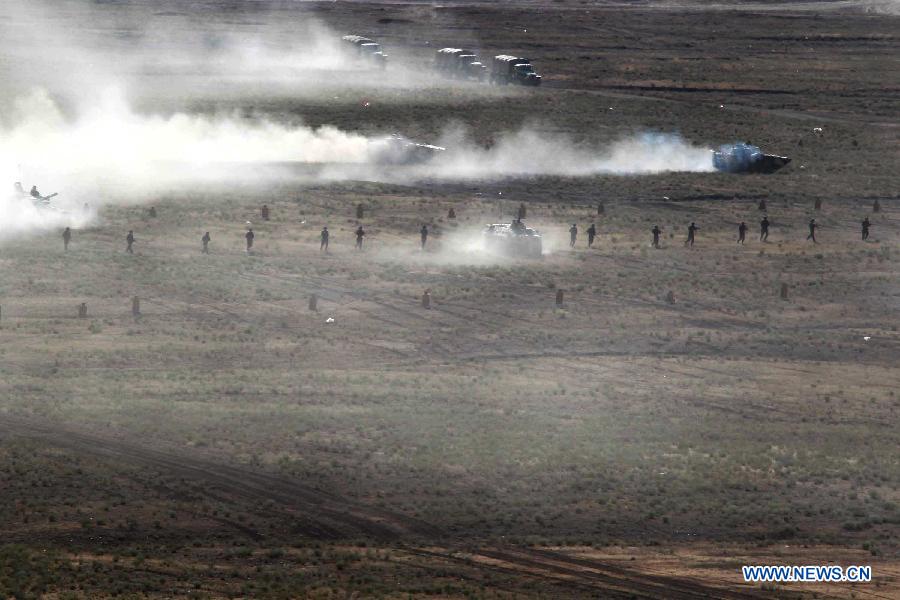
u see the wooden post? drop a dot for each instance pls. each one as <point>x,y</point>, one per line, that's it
<point>818,204</point>
<point>360,211</point>
<point>559,297</point>
<point>451,214</point>
<point>601,209</point>
<point>136,306</point>
<point>426,300</point>
<point>313,300</point>
<point>82,310</point>
<point>876,206</point>
<point>784,291</point>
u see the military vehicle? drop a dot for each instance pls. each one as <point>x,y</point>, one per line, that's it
<point>507,69</point>
<point>459,63</point>
<point>363,48</point>
<point>512,239</point>
<point>746,158</point>
<point>399,150</point>
<point>34,196</point>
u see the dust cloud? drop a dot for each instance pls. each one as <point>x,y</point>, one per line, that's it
<point>68,122</point>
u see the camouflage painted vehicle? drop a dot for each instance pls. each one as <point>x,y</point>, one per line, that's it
<point>512,239</point>
<point>746,158</point>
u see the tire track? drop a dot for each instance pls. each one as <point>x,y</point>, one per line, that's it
<point>327,516</point>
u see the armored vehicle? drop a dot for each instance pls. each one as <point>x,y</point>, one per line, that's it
<point>512,239</point>
<point>746,158</point>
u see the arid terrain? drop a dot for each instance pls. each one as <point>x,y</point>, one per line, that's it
<point>673,419</point>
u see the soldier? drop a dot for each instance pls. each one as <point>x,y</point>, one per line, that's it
<point>656,231</point>
<point>573,233</point>
<point>205,240</point>
<point>764,230</point>
<point>359,237</point>
<point>264,212</point>
<point>451,214</point>
<point>152,212</point>
<point>762,204</point>
<point>742,231</point>
<point>35,193</point>
<point>323,244</point>
<point>812,231</point>
<point>129,239</point>
<point>424,235</point>
<point>692,229</point>
<point>249,237</point>
<point>592,233</point>
<point>522,211</point>
<point>865,228</point>
<point>67,237</point>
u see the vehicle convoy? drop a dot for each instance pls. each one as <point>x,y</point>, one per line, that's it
<point>512,239</point>
<point>396,149</point>
<point>507,69</point>
<point>458,63</point>
<point>746,158</point>
<point>364,48</point>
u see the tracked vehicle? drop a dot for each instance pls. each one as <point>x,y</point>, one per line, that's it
<point>746,158</point>
<point>512,239</point>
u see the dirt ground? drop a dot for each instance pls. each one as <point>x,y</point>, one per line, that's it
<point>674,419</point>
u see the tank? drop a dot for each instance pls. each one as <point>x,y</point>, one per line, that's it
<point>512,239</point>
<point>746,158</point>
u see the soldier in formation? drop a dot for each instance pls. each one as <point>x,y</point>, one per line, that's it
<point>591,233</point>
<point>692,230</point>
<point>67,237</point>
<point>129,241</point>
<point>812,231</point>
<point>205,240</point>
<point>323,240</point>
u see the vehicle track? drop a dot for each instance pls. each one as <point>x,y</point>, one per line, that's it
<point>322,515</point>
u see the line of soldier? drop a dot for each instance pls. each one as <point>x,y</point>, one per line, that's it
<point>692,232</point>
<point>325,235</point>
